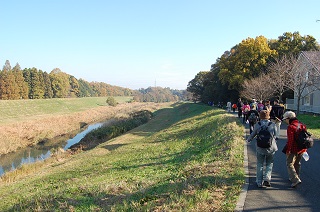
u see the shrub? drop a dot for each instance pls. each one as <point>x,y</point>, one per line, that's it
<point>111,101</point>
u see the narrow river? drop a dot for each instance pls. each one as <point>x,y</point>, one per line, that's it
<point>11,161</point>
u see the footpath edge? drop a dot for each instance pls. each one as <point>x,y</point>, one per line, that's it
<point>243,194</point>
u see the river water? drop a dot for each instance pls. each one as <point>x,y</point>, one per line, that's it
<point>11,161</point>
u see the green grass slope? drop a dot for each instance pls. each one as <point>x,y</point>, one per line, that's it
<point>187,158</point>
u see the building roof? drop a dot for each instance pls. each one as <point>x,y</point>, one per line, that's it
<point>313,57</point>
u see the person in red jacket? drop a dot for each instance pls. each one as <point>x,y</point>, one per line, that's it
<point>293,153</point>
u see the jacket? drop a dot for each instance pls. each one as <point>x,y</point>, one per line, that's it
<point>277,112</point>
<point>292,146</point>
<point>245,109</point>
<point>272,130</point>
<point>239,105</point>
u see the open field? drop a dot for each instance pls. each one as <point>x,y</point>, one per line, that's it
<point>28,122</point>
<point>189,157</point>
<point>18,110</point>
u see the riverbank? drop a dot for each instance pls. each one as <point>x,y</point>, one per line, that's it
<point>39,125</point>
<point>188,157</point>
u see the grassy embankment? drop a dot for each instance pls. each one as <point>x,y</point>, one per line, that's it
<point>28,122</point>
<point>189,157</point>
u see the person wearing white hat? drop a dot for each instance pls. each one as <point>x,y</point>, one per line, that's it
<point>293,153</point>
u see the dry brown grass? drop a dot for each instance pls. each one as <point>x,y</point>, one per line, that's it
<point>26,133</point>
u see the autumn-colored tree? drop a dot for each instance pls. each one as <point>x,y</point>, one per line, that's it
<point>7,66</point>
<point>60,83</point>
<point>155,94</point>
<point>245,61</point>
<point>36,84</point>
<point>12,84</point>
<point>8,88</point>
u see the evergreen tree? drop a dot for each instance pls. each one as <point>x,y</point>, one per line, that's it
<point>20,82</point>
<point>74,84</point>
<point>85,90</point>
<point>48,93</point>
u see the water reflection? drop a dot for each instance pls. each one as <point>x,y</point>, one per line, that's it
<point>26,155</point>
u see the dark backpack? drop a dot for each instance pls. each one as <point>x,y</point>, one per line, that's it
<point>302,137</point>
<point>264,137</point>
<point>252,118</point>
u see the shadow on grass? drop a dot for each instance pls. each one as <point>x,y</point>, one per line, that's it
<point>111,147</point>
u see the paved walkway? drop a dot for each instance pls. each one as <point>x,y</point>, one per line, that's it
<point>280,197</point>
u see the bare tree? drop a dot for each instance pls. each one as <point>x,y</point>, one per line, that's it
<point>280,74</point>
<point>258,88</point>
<point>303,79</point>
<point>285,73</point>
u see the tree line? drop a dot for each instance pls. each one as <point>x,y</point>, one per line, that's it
<point>255,68</point>
<point>158,94</point>
<point>31,83</point>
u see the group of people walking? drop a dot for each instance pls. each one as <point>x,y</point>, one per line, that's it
<point>265,127</point>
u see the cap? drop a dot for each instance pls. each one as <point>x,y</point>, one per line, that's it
<point>289,115</point>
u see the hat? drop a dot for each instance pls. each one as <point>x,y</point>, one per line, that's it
<point>289,115</point>
<point>264,114</point>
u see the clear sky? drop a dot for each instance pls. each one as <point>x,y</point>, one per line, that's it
<point>141,43</point>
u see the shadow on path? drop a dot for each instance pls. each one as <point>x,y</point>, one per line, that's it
<point>280,197</point>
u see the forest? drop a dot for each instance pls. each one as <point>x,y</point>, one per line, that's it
<point>257,68</point>
<point>31,83</point>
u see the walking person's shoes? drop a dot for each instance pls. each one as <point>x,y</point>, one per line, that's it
<point>260,185</point>
<point>293,185</point>
<point>267,183</point>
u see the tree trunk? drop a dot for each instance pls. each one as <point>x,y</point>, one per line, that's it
<point>298,106</point>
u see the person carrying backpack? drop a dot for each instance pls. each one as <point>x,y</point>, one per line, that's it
<point>260,106</point>
<point>229,106</point>
<point>253,117</point>
<point>276,115</point>
<point>266,146</point>
<point>245,109</point>
<point>234,107</point>
<point>239,106</point>
<point>293,152</point>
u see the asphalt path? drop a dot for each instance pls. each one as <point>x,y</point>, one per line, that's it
<point>280,196</point>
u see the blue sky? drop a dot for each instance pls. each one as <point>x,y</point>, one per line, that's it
<point>141,43</point>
